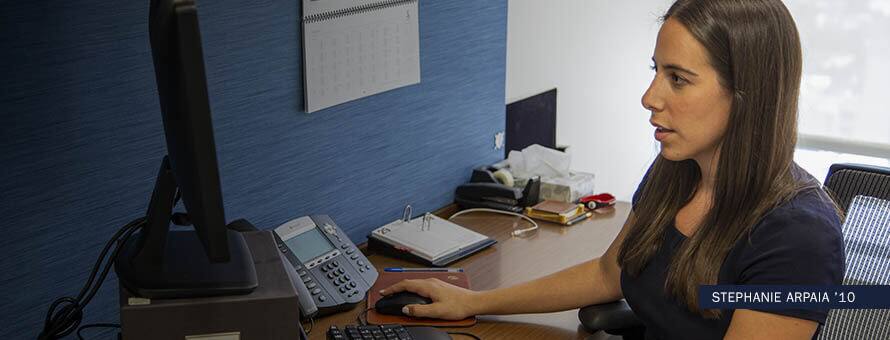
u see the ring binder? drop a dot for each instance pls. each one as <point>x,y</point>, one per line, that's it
<point>427,239</point>
<point>406,216</point>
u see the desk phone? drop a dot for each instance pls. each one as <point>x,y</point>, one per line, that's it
<point>333,273</point>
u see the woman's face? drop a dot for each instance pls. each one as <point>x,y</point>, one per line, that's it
<point>690,108</point>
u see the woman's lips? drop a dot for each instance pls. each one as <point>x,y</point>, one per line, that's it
<point>662,133</point>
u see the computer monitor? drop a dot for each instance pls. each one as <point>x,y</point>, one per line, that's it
<point>531,121</point>
<point>211,259</point>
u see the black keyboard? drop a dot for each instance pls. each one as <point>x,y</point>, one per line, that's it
<point>386,332</point>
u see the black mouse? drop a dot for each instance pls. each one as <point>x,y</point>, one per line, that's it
<point>392,304</point>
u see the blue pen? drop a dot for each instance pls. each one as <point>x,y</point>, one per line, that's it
<point>408,270</point>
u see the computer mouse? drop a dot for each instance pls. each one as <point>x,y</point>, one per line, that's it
<point>392,304</point>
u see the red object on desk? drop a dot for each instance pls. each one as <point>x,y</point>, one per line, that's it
<point>598,201</point>
<point>387,279</point>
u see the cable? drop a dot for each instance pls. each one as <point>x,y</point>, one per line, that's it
<point>474,336</point>
<point>96,325</point>
<point>311,326</point>
<point>518,232</point>
<point>358,318</point>
<point>66,313</point>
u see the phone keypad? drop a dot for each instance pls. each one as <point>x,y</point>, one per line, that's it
<point>338,276</point>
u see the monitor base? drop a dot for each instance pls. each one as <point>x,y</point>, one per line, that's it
<point>185,270</point>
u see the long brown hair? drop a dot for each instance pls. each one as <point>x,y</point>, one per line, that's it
<point>755,49</point>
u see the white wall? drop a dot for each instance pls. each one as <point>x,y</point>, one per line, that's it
<point>597,53</point>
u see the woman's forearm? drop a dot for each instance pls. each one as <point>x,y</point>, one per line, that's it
<point>581,285</point>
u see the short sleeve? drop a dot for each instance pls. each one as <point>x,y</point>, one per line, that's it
<point>797,244</point>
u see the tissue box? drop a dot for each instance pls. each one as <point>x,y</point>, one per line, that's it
<point>565,189</point>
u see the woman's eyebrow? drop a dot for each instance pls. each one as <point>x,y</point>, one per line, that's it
<point>676,67</point>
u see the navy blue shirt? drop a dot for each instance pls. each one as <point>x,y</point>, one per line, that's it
<point>799,242</point>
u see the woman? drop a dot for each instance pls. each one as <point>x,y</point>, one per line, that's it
<point>723,203</point>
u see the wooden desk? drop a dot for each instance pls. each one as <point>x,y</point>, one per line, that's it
<point>513,260</point>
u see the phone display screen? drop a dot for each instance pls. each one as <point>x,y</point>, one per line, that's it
<point>308,245</point>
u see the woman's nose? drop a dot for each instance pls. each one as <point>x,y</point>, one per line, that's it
<point>651,100</point>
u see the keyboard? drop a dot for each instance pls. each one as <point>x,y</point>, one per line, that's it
<point>386,332</point>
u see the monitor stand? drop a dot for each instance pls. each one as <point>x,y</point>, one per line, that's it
<point>159,263</point>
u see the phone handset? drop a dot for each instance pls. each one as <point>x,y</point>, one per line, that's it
<point>308,308</point>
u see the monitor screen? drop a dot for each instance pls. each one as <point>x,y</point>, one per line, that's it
<point>531,121</point>
<point>309,245</point>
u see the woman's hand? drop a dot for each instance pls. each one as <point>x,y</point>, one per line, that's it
<point>450,302</point>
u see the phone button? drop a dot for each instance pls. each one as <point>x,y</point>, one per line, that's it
<point>335,263</point>
<point>350,251</point>
<point>311,285</point>
<point>329,229</point>
<point>316,291</point>
<point>321,298</point>
<point>344,246</point>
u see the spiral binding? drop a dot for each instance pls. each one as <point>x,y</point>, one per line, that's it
<point>355,10</point>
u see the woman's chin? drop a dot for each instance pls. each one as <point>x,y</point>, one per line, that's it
<point>672,154</point>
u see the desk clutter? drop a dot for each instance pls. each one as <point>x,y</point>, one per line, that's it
<point>551,168</point>
<point>535,182</point>
<point>558,212</point>
<point>523,179</point>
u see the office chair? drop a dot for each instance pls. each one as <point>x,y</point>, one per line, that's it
<point>867,240</point>
<point>614,318</point>
<point>863,193</point>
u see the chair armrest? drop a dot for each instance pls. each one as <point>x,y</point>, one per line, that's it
<point>608,316</point>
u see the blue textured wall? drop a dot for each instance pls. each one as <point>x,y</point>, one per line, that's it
<point>82,135</point>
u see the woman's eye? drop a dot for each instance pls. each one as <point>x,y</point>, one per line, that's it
<point>678,80</point>
<point>652,67</point>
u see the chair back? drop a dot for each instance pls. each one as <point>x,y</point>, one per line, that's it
<point>845,181</point>
<point>863,192</point>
